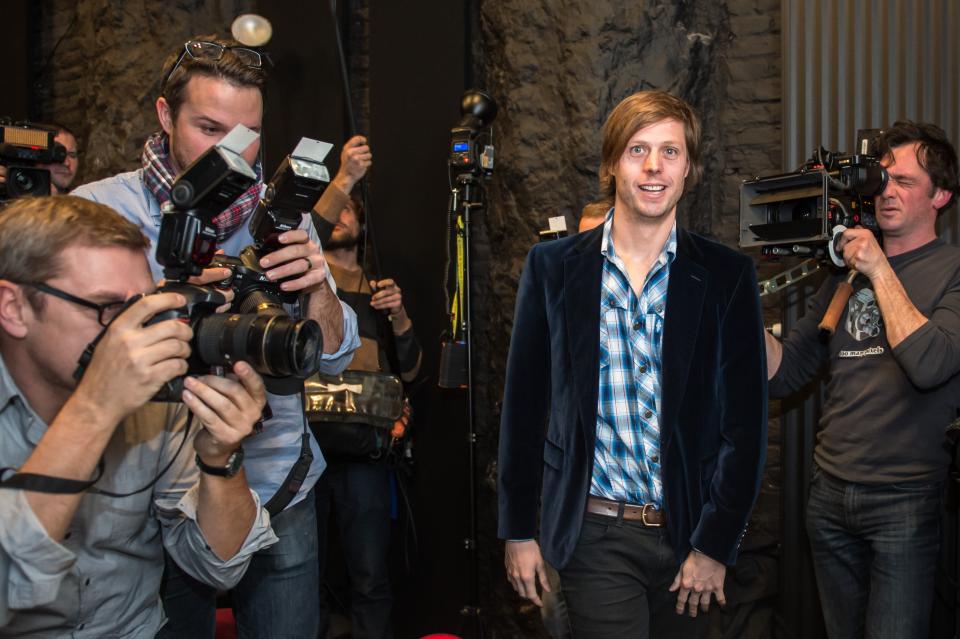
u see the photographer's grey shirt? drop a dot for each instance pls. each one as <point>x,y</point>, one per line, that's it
<point>886,409</point>
<point>103,579</point>
<point>269,454</point>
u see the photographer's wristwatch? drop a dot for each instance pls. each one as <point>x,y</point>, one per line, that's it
<point>231,468</point>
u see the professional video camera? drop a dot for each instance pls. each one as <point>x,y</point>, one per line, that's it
<point>22,147</point>
<point>262,334</point>
<point>801,213</point>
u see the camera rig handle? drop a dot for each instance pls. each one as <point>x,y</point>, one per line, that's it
<point>828,325</point>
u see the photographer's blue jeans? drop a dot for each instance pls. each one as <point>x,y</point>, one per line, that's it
<point>276,598</point>
<point>875,550</point>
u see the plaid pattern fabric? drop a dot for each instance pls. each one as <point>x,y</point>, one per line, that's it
<point>627,454</point>
<point>158,175</point>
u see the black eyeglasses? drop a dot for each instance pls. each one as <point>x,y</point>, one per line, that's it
<point>105,312</point>
<point>203,50</point>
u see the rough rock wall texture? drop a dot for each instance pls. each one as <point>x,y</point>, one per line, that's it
<point>556,69</point>
<point>106,75</point>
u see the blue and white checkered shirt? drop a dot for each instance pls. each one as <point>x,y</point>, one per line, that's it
<point>627,454</point>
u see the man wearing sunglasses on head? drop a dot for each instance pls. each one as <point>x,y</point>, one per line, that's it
<point>208,86</point>
<point>97,481</point>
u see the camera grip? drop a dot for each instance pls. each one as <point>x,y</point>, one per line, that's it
<point>828,325</point>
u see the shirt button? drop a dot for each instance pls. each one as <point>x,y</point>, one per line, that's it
<point>643,368</point>
<point>647,414</point>
<point>636,326</point>
<point>87,582</point>
<point>654,458</point>
<point>658,308</point>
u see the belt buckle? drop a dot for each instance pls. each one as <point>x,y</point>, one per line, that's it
<point>643,517</point>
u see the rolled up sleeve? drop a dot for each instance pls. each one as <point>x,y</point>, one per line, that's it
<point>32,564</point>
<point>184,540</point>
<point>334,363</point>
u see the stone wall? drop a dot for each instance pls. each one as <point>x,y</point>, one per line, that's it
<point>99,71</point>
<point>556,69</point>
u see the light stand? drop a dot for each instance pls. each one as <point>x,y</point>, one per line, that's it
<point>469,166</point>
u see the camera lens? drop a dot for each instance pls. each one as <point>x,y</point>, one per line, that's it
<point>273,343</point>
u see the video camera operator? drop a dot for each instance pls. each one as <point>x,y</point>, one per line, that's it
<point>210,85</point>
<point>87,561</point>
<point>880,463</point>
<point>62,174</point>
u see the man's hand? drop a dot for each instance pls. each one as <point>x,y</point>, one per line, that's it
<point>387,297</point>
<point>524,568</point>
<point>133,361</point>
<point>355,160</point>
<point>300,257</point>
<point>698,578</point>
<point>228,407</point>
<point>862,252</point>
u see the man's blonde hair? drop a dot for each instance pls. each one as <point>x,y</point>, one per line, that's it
<point>35,231</point>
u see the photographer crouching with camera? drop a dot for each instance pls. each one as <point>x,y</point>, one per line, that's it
<point>96,482</point>
<point>875,496</point>
<point>208,86</point>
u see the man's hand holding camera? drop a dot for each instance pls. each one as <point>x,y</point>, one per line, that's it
<point>302,268</point>
<point>228,407</point>
<point>132,361</point>
<point>862,252</point>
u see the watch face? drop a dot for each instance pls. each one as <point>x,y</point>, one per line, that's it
<point>234,462</point>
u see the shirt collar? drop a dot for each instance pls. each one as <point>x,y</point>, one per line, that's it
<point>667,253</point>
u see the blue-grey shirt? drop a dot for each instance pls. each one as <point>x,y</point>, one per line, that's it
<point>103,578</point>
<point>269,454</point>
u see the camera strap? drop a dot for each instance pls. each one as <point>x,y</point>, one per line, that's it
<point>295,478</point>
<point>46,483</point>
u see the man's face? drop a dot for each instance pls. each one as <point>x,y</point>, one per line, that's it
<point>61,175</point>
<point>210,109</point>
<point>346,234</point>
<point>908,205</point>
<point>652,170</point>
<point>58,333</point>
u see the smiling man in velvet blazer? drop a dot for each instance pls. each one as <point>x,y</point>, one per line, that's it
<point>635,401</point>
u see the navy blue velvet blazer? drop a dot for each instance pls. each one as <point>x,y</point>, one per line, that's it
<point>713,409</point>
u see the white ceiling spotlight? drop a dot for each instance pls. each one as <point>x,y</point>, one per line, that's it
<point>251,30</point>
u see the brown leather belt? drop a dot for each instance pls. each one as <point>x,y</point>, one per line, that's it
<point>647,513</point>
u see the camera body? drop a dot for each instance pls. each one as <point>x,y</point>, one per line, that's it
<point>22,147</point>
<point>799,213</point>
<point>260,332</point>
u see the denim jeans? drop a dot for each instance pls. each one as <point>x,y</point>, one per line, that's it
<point>276,597</point>
<point>616,584</point>
<point>356,495</point>
<point>875,550</point>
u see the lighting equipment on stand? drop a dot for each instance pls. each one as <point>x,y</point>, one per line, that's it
<point>470,164</point>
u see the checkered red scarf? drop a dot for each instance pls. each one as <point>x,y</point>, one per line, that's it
<point>158,175</point>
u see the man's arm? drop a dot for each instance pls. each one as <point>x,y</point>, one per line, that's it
<point>743,425</point>
<point>388,297</point>
<point>228,409</point>
<point>522,433</point>
<point>301,264</point>
<point>862,252</point>
<point>128,367</point>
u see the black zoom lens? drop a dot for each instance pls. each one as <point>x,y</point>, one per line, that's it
<point>273,343</point>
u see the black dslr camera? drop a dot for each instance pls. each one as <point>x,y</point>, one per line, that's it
<point>294,189</point>
<point>282,349</point>
<point>22,147</point>
<point>801,213</point>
